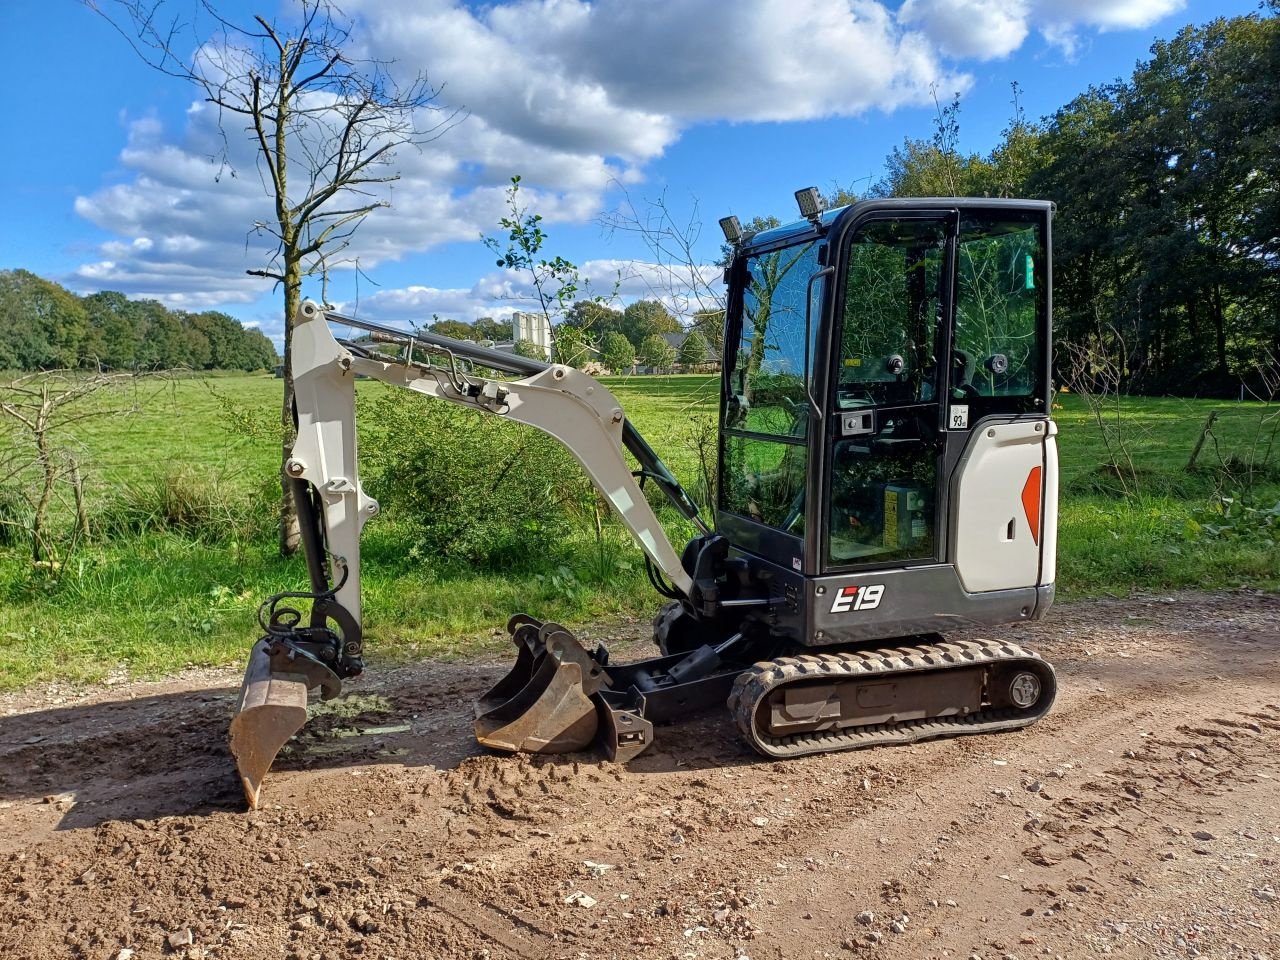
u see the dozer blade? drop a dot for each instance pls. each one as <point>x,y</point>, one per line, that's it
<point>551,714</point>
<point>272,708</point>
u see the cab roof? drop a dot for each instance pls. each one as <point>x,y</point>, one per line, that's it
<point>800,229</point>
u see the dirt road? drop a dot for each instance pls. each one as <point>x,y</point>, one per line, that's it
<point>1141,819</point>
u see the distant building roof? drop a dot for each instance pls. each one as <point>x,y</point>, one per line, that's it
<point>676,342</point>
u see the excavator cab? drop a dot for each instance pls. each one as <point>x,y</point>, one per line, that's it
<point>885,432</point>
<point>887,472</point>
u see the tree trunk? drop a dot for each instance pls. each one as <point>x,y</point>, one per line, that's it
<point>289,242</point>
<point>77,489</point>
<point>289,535</point>
<point>1220,329</point>
<point>48,478</point>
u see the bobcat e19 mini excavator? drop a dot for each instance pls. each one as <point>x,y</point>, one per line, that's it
<point>887,471</point>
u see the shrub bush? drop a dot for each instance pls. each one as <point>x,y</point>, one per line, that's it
<point>15,518</point>
<point>472,486</point>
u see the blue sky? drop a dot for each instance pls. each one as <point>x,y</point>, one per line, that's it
<point>721,108</point>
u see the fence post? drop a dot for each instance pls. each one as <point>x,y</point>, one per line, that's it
<point>1204,435</point>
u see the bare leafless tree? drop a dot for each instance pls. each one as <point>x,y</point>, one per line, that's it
<point>677,274</point>
<point>1096,368</point>
<point>42,407</point>
<point>1248,465</point>
<point>324,126</point>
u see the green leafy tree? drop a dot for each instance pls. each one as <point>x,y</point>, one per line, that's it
<point>1019,154</point>
<point>112,337</point>
<point>693,351</point>
<point>42,325</point>
<point>453,328</point>
<point>656,352</point>
<point>197,349</point>
<point>920,168</point>
<point>529,350</point>
<point>617,353</point>
<point>1165,244</point>
<point>45,326</point>
<point>594,316</point>
<point>574,346</point>
<point>645,318</point>
<point>487,328</point>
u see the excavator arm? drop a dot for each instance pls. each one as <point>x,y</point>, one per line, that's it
<point>292,657</point>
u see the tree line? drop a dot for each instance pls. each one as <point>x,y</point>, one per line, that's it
<point>593,332</point>
<point>1167,234</point>
<point>44,326</point>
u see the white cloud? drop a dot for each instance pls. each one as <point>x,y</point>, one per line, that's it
<point>500,293</point>
<point>1105,14</point>
<point>576,96</point>
<point>986,30</point>
<point>1062,22</point>
<point>969,28</point>
<point>694,60</point>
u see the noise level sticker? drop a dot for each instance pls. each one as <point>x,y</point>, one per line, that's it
<point>959,418</point>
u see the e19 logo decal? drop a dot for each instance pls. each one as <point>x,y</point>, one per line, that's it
<point>858,598</point>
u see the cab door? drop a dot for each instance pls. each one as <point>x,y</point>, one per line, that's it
<point>1001,454</point>
<point>885,435</point>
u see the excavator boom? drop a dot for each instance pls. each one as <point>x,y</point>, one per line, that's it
<point>320,650</point>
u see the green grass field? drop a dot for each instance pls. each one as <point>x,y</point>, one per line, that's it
<point>157,600</point>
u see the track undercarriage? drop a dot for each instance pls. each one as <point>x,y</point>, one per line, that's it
<point>561,697</point>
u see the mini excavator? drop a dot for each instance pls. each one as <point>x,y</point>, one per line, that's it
<point>887,474</point>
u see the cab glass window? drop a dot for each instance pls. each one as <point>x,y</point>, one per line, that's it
<point>766,407</point>
<point>764,481</point>
<point>767,382</point>
<point>1000,305</point>
<point>892,306</point>
<point>885,446</point>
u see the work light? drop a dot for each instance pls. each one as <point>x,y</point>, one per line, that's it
<point>811,203</point>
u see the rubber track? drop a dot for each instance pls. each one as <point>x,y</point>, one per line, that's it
<point>755,684</point>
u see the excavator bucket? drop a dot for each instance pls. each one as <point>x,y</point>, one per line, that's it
<point>550,714</point>
<point>544,703</point>
<point>273,707</point>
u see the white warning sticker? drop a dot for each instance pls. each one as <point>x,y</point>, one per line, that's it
<point>959,418</point>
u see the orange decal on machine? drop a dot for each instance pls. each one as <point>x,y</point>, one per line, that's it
<point>1031,502</point>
